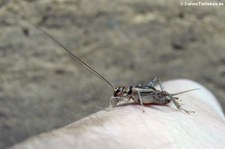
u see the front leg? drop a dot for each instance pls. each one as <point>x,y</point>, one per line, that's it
<point>114,101</point>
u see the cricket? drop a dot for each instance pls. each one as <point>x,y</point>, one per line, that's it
<point>127,93</point>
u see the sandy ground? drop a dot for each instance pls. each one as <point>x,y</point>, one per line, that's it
<point>127,41</point>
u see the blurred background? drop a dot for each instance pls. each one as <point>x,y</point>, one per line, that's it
<point>127,41</point>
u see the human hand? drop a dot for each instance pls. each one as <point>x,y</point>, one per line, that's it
<point>158,127</point>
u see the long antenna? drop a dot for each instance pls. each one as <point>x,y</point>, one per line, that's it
<point>74,57</point>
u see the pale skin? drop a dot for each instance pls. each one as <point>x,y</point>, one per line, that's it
<point>126,126</point>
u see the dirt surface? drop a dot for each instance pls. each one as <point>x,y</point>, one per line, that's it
<point>127,41</point>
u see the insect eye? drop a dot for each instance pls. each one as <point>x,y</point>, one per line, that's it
<point>116,91</point>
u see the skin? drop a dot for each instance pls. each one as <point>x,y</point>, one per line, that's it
<point>126,126</point>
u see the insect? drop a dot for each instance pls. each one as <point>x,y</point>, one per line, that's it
<point>135,93</point>
<point>127,93</point>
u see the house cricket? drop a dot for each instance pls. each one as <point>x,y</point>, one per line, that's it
<point>127,93</point>
<point>135,93</point>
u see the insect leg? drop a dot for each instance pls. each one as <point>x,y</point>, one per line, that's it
<point>140,99</point>
<point>179,106</point>
<point>113,102</point>
<point>153,82</point>
<point>160,84</point>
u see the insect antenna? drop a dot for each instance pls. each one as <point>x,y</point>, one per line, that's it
<point>73,56</point>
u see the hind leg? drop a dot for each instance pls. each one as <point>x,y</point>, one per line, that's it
<point>152,83</point>
<point>178,106</point>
